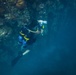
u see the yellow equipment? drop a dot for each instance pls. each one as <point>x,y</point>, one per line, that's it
<point>24,36</point>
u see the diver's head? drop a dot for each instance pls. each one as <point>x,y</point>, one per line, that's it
<point>33,24</point>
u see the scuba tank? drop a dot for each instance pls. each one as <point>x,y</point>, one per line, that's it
<point>43,25</point>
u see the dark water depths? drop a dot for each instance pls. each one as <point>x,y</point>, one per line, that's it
<point>55,54</point>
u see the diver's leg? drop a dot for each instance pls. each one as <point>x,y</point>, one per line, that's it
<point>23,44</point>
<point>20,39</point>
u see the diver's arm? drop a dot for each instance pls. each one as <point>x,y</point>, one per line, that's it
<point>36,32</point>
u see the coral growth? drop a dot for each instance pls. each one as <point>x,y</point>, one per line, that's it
<point>20,3</point>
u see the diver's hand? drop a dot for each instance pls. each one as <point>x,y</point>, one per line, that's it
<point>42,31</point>
<point>38,32</point>
<point>29,30</point>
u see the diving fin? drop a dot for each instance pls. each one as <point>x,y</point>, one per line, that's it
<point>19,56</point>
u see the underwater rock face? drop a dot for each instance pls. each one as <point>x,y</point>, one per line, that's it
<point>5,32</point>
<point>17,14</point>
<point>1,22</point>
<point>1,10</point>
<point>20,3</point>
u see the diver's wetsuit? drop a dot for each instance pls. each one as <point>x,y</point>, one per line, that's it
<point>32,38</point>
<point>16,59</point>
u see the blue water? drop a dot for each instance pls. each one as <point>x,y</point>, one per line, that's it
<point>54,54</point>
<point>57,56</point>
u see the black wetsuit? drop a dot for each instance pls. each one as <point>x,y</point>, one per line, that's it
<point>30,35</point>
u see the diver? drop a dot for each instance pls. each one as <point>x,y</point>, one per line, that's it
<point>29,34</point>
